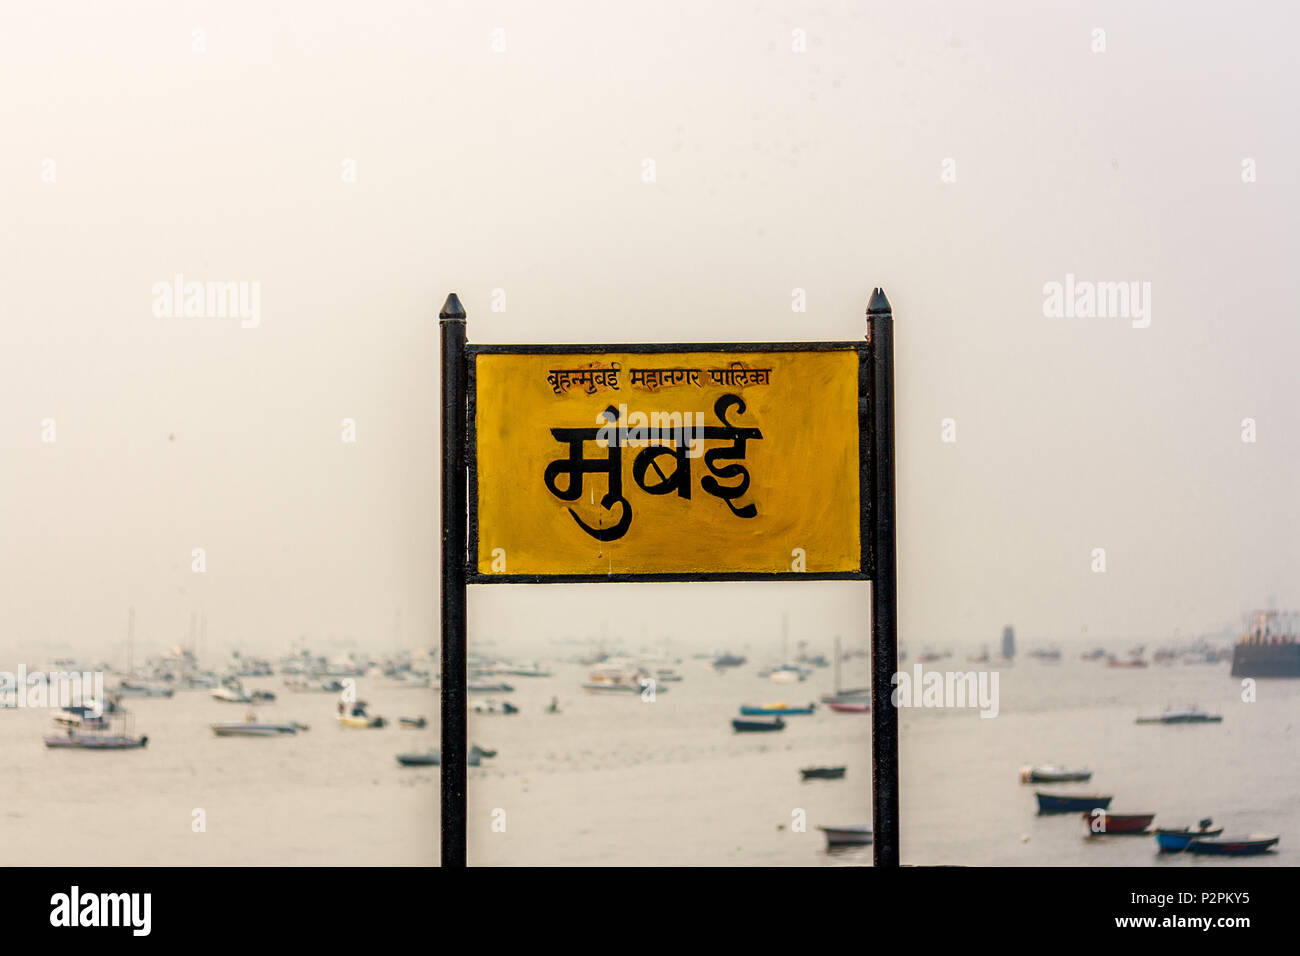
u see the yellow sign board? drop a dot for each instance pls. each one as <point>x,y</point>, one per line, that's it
<point>633,462</point>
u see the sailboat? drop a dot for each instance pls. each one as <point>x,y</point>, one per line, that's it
<point>854,701</point>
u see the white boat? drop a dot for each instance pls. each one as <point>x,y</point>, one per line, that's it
<point>138,688</point>
<point>854,835</point>
<point>618,678</point>
<point>228,694</point>
<point>1051,773</point>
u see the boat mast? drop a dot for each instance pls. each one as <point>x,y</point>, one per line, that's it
<point>837,665</point>
<point>130,641</point>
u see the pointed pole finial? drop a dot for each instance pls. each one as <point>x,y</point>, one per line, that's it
<point>879,305</point>
<point>452,309</point>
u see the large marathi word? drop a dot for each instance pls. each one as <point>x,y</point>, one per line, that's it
<point>576,467</point>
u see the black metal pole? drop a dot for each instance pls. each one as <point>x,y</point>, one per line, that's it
<point>884,586</point>
<point>451,323</point>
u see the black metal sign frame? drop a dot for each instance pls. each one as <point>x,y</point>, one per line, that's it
<point>877,539</point>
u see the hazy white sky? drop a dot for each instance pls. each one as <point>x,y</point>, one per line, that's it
<point>135,148</point>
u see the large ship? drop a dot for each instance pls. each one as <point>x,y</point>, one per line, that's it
<point>1269,648</point>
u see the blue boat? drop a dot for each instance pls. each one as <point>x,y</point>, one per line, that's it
<point>778,710</point>
<point>1069,803</point>
<point>1171,840</point>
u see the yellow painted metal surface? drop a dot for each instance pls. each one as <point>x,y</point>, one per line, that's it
<point>667,463</point>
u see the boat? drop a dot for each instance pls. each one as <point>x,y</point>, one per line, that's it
<point>785,673</point>
<point>757,726</point>
<point>87,718</point>
<point>413,722</point>
<point>853,835</point>
<point>850,707</point>
<point>134,688</point>
<point>531,670</point>
<point>1127,823</point>
<point>1190,715</point>
<point>488,687</point>
<point>76,741</point>
<point>723,661</point>
<point>1270,647</point>
<point>857,695</point>
<point>1134,661</point>
<point>777,708</point>
<point>823,773</point>
<point>1051,773</point>
<point>1173,840</point>
<point>619,678</point>
<point>249,728</point>
<point>490,707</point>
<point>231,691</point>
<point>317,685</point>
<point>357,717</point>
<point>1248,845</point>
<point>433,758</point>
<point>1069,802</point>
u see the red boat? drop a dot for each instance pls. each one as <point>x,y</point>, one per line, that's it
<point>863,708</point>
<point>1108,822</point>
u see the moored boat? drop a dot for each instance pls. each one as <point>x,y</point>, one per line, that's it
<point>357,717</point>
<point>850,707</point>
<point>75,741</point>
<point>852,835</point>
<point>1174,839</point>
<point>433,758</point>
<point>823,773</point>
<point>1051,773</point>
<point>620,678</point>
<point>1190,715</point>
<point>249,728</point>
<point>1110,823</point>
<point>1248,845</point>
<point>1069,802</point>
<point>757,726</point>
<point>777,708</point>
<point>412,722</point>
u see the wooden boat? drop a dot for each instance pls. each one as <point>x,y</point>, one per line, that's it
<point>1128,823</point>
<point>1173,840</point>
<point>757,726</point>
<point>823,773</point>
<point>1234,845</point>
<point>778,708</point>
<point>415,722</point>
<point>853,835</point>
<point>1051,773</point>
<point>850,707</point>
<point>1190,715</point>
<point>1068,802</point>
<point>75,741</point>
